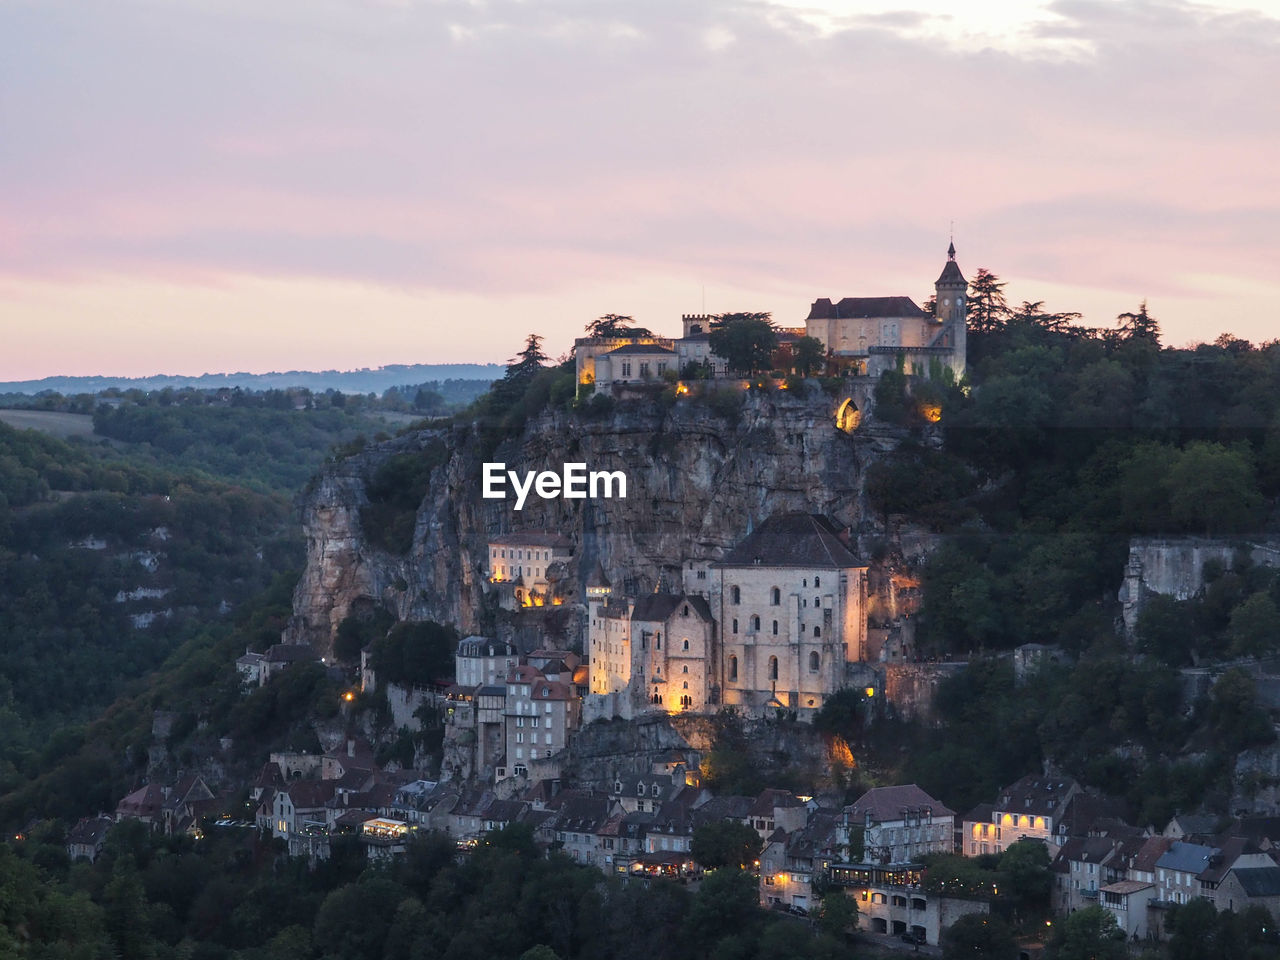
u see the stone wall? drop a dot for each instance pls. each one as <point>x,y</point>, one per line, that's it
<point>910,687</point>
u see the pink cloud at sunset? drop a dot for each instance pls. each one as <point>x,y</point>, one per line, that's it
<point>197,186</point>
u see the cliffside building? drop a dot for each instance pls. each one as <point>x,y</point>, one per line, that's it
<point>525,568</point>
<point>772,626</point>
<point>875,334</point>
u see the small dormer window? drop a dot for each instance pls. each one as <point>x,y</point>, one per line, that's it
<point>640,790</point>
<point>685,613</point>
<point>617,786</point>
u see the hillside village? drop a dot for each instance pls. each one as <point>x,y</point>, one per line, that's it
<point>774,630</point>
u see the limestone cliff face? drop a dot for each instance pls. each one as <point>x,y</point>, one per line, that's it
<point>697,482</point>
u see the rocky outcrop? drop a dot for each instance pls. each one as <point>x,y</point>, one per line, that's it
<point>697,482</point>
<point>1174,566</point>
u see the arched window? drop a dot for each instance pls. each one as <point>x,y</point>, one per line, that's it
<point>755,623</point>
<point>775,596</point>
<point>775,628</point>
<point>658,642</point>
<point>735,595</point>
<point>685,613</point>
<point>685,645</point>
<point>814,662</point>
<point>817,582</point>
<point>735,624</point>
<point>773,668</point>
<point>686,684</point>
<point>733,668</point>
<point>817,631</point>
<point>686,669</point>
<point>817,601</point>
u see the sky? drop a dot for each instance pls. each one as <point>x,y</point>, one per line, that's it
<point>192,186</point>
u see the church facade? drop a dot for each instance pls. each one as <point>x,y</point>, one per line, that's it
<point>772,626</point>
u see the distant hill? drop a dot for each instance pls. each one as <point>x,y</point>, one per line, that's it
<point>366,380</point>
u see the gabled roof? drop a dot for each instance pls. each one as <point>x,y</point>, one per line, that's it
<point>1037,794</point>
<point>1150,853</point>
<point>1259,881</point>
<point>859,308</point>
<point>310,794</point>
<point>771,799</point>
<point>90,831</point>
<point>725,808</point>
<point>891,803</point>
<point>793,540</point>
<point>660,607</point>
<point>1186,857</point>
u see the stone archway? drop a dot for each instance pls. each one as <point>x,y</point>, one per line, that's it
<point>848,416</point>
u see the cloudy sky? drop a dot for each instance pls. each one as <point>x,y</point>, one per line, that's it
<point>220,185</point>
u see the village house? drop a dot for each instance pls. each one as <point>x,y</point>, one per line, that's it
<point>482,661</point>
<point>900,824</point>
<point>299,817</point>
<point>282,656</point>
<point>539,715</point>
<point>1028,809</point>
<point>526,568</point>
<point>86,839</point>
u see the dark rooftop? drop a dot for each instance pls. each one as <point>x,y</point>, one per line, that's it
<point>793,540</point>
<point>857,308</point>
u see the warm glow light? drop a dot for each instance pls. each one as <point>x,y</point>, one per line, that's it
<point>871,691</point>
<point>931,412</point>
<point>348,696</point>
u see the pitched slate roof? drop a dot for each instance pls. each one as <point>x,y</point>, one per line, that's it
<point>888,803</point>
<point>951,273</point>
<point>659,607</point>
<point>857,308</point>
<point>1150,853</point>
<point>793,540</point>
<point>1186,857</point>
<point>1259,881</point>
<point>1037,795</point>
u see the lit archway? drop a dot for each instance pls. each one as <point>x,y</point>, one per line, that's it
<point>848,416</point>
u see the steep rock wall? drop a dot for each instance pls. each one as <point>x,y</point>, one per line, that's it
<point>697,483</point>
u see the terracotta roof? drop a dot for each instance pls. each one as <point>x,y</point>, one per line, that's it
<point>551,690</point>
<point>889,803</point>
<point>793,540</point>
<point>1150,853</point>
<point>856,308</point>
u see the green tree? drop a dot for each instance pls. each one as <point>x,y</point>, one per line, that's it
<point>725,843</point>
<point>1024,875</point>
<point>1194,927</point>
<point>1088,934</point>
<point>979,936</point>
<point>1255,627</point>
<point>838,914</point>
<point>727,903</point>
<point>614,325</point>
<point>1140,325</point>
<point>988,312</point>
<point>1213,489</point>
<point>807,355</point>
<point>746,341</point>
